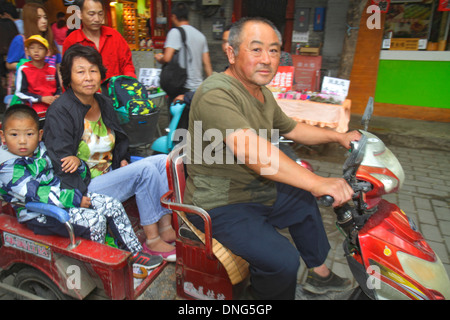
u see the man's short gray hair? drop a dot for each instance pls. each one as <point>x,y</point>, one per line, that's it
<point>235,39</point>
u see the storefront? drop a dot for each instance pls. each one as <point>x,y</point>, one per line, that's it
<point>144,24</point>
<point>403,62</point>
<point>412,67</point>
<point>414,61</point>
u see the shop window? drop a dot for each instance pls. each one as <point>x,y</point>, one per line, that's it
<point>416,25</point>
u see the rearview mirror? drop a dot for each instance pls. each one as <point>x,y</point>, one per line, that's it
<point>367,114</point>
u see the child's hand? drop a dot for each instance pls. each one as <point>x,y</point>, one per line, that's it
<point>49,99</point>
<point>123,163</point>
<point>70,164</point>
<point>85,202</point>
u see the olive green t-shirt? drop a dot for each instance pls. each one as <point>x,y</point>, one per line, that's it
<point>222,105</point>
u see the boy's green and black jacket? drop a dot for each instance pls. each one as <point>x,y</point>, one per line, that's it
<point>32,179</point>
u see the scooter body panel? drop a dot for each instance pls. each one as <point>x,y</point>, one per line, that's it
<point>386,237</point>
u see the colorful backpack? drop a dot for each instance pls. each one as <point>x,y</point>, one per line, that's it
<point>129,97</point>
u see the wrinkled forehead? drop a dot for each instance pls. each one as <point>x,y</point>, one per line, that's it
<point>259,32</point>
<point>92,6</point>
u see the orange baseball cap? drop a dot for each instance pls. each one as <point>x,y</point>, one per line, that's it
<point>36,38</point>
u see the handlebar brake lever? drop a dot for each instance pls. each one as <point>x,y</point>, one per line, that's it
<point>363,186</point>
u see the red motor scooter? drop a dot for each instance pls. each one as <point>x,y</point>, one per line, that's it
<point>388,256</point>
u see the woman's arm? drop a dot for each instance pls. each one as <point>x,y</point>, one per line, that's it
<point>11,66</point>
<point>16,52</point>
<point>62,135</point>
<point>110,120</point>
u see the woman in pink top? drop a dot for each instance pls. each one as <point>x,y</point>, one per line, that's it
<point>60,29</point>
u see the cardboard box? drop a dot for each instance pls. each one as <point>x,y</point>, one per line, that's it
<point>309,51</point>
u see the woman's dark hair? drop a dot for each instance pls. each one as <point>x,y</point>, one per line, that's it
<point>30,19</point>
<point>79,51</point>
<point>60,19</point>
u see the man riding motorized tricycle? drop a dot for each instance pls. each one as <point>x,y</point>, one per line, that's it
<point>247,186</point>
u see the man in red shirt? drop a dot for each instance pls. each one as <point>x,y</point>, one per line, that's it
<point>113,48</point>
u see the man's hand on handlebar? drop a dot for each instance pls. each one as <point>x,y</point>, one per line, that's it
<point>347,138</point>
<point>336,188</point>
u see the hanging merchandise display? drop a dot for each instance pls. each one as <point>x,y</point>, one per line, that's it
<point>130,29</point>
<point>160,21</point>
<point>143,23</point>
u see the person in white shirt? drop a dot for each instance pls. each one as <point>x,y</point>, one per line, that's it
<point>198,59</point>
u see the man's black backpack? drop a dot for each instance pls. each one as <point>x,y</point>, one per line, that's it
<point>173,76</point>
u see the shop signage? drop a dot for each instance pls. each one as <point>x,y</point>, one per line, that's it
<point>382,4</point>
<point>284,79</point>
<point>319,19</point>
<point>444,5</point>
<point>335,86</point>
<point>306,72</point>
<point>301,22</point>
<point>149,77</point>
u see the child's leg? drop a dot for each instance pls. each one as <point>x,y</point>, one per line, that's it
<point>86,224</point>
<point>90,219</point>
<point>117,220</point>
<point>92,224</point>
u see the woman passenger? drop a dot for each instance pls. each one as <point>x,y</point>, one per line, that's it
<point>82,122</point>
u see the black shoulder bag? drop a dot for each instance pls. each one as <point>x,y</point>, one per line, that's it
<point>173,76</point>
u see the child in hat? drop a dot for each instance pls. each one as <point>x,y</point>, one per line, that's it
<point>37,82</point>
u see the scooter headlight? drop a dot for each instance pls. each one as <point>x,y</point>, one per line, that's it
<point>389,183</point>
<point>431,274</point>
<point>379,156</point>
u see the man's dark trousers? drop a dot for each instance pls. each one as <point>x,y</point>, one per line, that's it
<point>249,230</point>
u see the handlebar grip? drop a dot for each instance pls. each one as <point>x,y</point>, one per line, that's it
<point>326,201</point>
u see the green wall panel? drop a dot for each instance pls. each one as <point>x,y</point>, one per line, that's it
<point>415,83</point>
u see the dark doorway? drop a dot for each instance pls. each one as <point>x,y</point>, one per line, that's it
<point>275,11</point>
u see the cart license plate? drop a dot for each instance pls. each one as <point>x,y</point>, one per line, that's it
<point>38,249</point>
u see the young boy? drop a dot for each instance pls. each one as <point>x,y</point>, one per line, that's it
<point>37,82</point>
<point>26,174</point>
